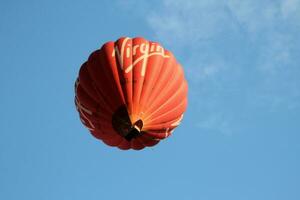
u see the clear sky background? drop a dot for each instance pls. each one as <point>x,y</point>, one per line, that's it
<point>239,139</point>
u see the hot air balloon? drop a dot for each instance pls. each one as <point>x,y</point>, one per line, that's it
<point>131,93</point>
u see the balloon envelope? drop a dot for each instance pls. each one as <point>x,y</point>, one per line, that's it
<point>131,93</point>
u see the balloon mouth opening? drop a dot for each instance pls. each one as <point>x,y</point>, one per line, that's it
<point>123,125</point>
<point>135,130</point>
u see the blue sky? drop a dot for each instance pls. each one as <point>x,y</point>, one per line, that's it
<point>239,139</point>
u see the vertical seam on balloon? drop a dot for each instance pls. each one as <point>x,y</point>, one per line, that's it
<point>131,97</point>
<point>174,95</point>
<point>99,93</point>
<point>84,66</point>
<point>144,67</point>
<point>84,91</point>
<point>109,77</point>
<point>118,82</point>
<point>153,83</point>
<point>162,77</point>
<point>119,72</point>
<point>132,85</point>
<point>165,88</point>
<point>170,111</point>
<point>115,72</point>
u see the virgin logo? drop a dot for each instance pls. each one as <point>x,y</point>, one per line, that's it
<point>145,49</point>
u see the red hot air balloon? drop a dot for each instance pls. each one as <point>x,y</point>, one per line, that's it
<point>131,93</point>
